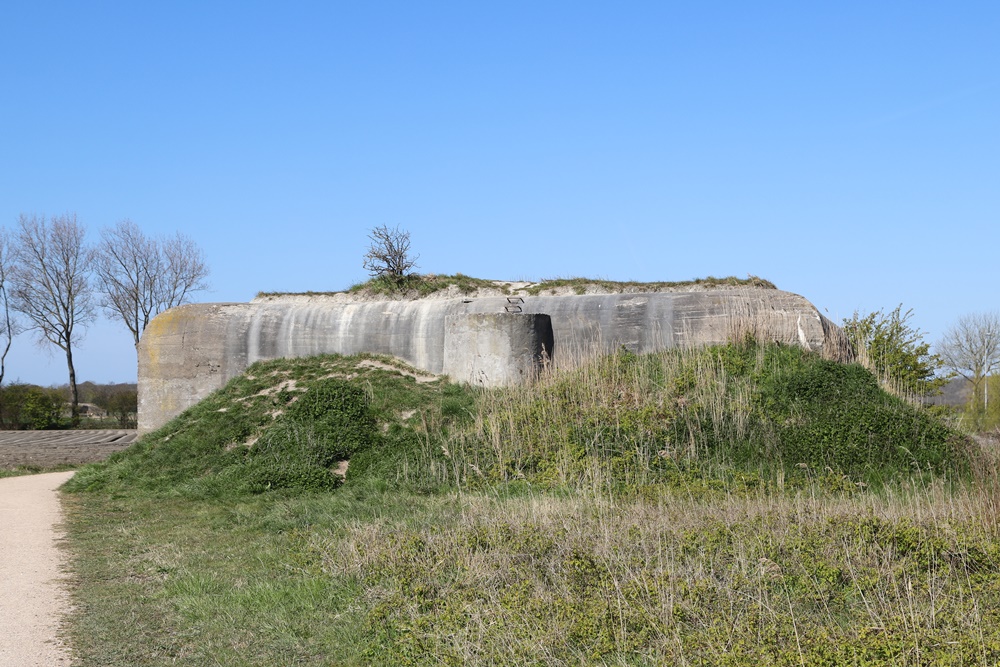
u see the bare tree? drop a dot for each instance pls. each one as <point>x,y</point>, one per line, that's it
<point>126,264</point>
<point>389,253</point>
<point>140,277</point>
<point>971,348</point>
<point>9,327</point>
<point>185,271</point>
<point>51,286</point>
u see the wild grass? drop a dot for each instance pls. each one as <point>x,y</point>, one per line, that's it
<point>418,285</point>
<point>903,579</point>
<point>729,506</point>
<point>742,413</point>
<point>19,470</point>
<point>580,285</point>
<point>414,285</point>
<point>900,578</point>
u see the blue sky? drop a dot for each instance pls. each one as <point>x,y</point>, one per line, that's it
<point>848,152</point>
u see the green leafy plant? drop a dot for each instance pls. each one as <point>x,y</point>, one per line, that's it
<point>895,351</point>
<point>29,407</point>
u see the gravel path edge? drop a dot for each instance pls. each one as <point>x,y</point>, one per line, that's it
<point>34,598</point>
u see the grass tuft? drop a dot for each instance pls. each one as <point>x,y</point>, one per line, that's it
<point>580,285</point>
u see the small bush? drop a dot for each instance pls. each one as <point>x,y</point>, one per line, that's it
<point>338,418</point>
<point>28,407</point>
<point>262,475</point>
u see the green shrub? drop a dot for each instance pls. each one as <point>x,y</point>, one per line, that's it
<point>29,407</point>
<point>260,475</point>
<point>338,418</point>
<point>827,414</point>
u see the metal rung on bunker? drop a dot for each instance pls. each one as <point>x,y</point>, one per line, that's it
<point>513,304</point>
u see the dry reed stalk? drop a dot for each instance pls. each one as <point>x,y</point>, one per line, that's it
<point>743,555</point>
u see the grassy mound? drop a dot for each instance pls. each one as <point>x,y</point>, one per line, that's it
<point>737,413</point>
<point>735,416</point>
<point>293,424</point>
<point>688,507</point>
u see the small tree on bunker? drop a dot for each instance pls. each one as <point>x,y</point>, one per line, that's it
<point>971,348</point>
<point>51,286</point>
<point>388,255</point>
<point>895,351</point>
<point>140,277</point>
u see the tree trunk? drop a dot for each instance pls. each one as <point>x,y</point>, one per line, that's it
<point>74,396</point>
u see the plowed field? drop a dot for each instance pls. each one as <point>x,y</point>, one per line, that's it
<point>51,448</point>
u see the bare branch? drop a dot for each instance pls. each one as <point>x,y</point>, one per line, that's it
<point>141,277</point>
<point>971,348</point>
<point>389,253</point>
<point>183,271</point>
<point>125,265</point>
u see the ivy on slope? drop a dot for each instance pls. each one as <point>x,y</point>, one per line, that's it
<point>823,414</point>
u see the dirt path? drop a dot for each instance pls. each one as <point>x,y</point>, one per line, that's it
<point>32,598</point>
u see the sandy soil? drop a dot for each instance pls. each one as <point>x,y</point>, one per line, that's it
<point>33,598</point>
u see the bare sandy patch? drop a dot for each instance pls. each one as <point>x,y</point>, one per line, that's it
<point>419,376</point>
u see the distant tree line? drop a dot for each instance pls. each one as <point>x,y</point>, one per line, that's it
<point>30,407</point>
<point>53,282</point>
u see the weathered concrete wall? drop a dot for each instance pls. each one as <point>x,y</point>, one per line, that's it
<point>496,349</point>
<point>190,351</point>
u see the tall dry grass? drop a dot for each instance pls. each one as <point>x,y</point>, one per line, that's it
<point>906,577</point>
<point>764,410</point>
<point>587,532</point>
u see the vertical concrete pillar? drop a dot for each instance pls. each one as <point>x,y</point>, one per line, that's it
<point>184,355</point>
<point>496,349</point>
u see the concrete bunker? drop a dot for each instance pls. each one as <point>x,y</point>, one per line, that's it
<point>188,352</point>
